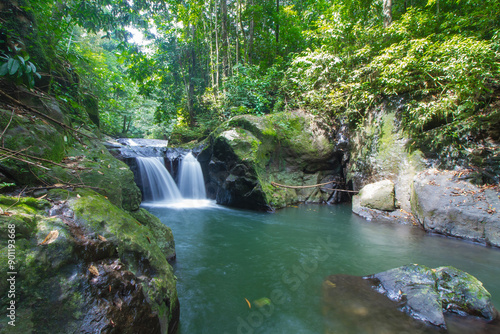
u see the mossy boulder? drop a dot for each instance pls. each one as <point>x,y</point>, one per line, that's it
<point>249,154</point>
<point>84,264</point>
<point>428,293</point>
<point>410,299</point>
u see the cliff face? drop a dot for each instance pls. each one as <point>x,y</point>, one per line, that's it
<point>249,155</point>
<point>440,201</point>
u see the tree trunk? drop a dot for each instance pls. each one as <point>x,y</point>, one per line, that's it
<point>277,22</point>
<point>387,11</point>
<point>250,34</point>
<point>224,37</point>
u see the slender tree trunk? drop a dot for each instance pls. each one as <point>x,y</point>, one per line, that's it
<point>250,34</point>
<point>238,20</point>
<point>224,37</point>
<point>242,29</point>
<point>387,11</point>
<point>217,58</point>
<point>277,22</point>
<point>124,127</point>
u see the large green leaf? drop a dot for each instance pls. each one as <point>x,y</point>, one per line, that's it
<point>14,66</point>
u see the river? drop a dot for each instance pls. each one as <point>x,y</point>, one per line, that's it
<point>251,272</point>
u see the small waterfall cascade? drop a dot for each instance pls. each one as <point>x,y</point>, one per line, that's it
<point>157,184</point>
<point>191,182</point>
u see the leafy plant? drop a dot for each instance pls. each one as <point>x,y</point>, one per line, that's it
<point>19,69</point>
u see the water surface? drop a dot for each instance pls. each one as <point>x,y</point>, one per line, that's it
<point>277,262</point>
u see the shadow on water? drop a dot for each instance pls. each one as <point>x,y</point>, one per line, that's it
<point>252,272</point>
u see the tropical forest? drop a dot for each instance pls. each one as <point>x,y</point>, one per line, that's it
<point>250,166</point>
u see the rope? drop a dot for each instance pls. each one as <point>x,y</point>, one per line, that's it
<point>274,184</point>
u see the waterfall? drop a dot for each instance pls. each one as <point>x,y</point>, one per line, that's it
<point>157,184</point>
<point>191,182</point>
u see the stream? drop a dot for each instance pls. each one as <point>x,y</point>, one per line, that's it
<point>251,272</point>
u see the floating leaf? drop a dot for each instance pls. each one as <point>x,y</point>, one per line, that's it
<point>50,238</point>
<point>262,301</point>
<point>93,270</point>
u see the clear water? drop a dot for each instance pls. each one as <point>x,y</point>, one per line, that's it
<point>279,261</point>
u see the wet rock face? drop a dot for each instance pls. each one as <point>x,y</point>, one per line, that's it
<point>444,204</point>
<point>87,266</point>
<point>251,153</point>
<point>410,299</point>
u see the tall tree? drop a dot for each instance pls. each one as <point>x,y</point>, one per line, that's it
<point>387,12</point>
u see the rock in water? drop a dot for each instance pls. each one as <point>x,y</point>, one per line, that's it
<point>444,204</point>
<point>409,299</point>
<point>378,195</point>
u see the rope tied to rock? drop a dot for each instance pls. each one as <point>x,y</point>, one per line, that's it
<point>277,185</point>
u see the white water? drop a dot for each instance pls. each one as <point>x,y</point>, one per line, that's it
<point>191,183</point>
<point>160,189</point>
<point>157,184</point>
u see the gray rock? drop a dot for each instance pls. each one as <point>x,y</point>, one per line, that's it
<point>378,195</point>
<point>412,299</point>
<point>446,205</point>
<point>427,293</point>
<point>417,284</point>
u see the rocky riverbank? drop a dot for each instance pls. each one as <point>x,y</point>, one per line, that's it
<point>86,256</point>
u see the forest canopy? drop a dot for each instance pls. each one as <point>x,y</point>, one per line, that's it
<point>178,69</point>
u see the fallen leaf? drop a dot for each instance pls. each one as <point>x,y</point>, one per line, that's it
<point>148,239</point>
<point>101,238</point>
<point>263,301</point>
<point>249,305</point>
<point>93,270</point>
<point>100,172</point>
<point>110,288</point>
<point>109,166</point>
<point>58,185</point>
<point>50,238</point>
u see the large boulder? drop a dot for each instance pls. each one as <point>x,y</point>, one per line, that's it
<point>378,195</point>
<point>410,299</point>
<point>445,204</point>
<point>250,155</point>
<point>85,265</point>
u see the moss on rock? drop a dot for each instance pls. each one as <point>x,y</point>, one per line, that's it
<point>53,272</point>
<point>286,148</point>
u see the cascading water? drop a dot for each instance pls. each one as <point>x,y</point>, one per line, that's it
<point>157,184</point>
<point>159,188</point>
<point>191,182</point>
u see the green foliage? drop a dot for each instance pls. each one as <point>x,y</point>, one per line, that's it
<point>19,69</point>
<point>249,91</point>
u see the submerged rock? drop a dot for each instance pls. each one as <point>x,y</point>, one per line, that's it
<point>409,299</point>
<point>444,204</point>
<point>85,265</point>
